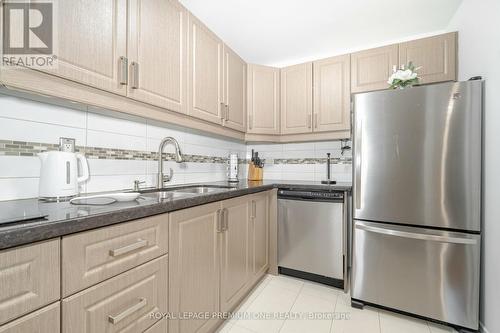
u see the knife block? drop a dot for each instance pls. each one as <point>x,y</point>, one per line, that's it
<point>255,173</point>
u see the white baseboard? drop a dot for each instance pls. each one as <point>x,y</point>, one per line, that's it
<point>483,328</point>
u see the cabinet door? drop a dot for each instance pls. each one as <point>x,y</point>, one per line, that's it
<point>263,100</point>
<point>235,263</point>
<point>29,278</point>
<point>157,53</point>
<point>259,235</point>
<point>91,39</point>
<point>371,69</point>
<point>44,320</point>
<point>194,267</point>
<point>332,93</point>
<point>436,57</point>
<point>205,73</point>
<point>235,86</point>
<point>296,99</point>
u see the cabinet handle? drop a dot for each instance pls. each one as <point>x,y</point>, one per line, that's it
<point>222,112</point>
<point>122,315</point>
<point>219,221</point>
<point>128,248</point>
<point>315,120</point>
<point>308,119</point>
<point>250,121</point>
<point>123,68</point>
<point>135,75</point>
<point>227,112</point>
<point>225,221</point>
<point>254,209</point>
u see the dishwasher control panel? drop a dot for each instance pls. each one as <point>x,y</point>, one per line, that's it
<point>311,195</point>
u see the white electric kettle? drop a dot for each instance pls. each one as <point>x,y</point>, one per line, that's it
<point>59,177</point>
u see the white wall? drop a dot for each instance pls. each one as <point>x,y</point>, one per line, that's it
<point>478,23</point>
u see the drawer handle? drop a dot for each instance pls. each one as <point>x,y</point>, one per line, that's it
<point>122,315</point>
<point>128,248</point>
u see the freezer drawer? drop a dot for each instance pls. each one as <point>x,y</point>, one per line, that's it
<point>429,273</point>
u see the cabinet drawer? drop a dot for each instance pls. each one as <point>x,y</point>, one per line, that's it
<point>121,304</point>
<point>29,278</point>
<point>159,327</point>
<point>41,321</point>
<point>91,257</point>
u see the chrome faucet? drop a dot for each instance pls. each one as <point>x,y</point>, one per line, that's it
<point>178,158</point>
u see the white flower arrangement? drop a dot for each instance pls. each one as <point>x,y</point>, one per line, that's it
<point>405,76</point>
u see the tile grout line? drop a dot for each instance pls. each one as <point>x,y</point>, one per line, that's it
<point>291,307</point>
<point>255,298</point>
<point>334,312</point>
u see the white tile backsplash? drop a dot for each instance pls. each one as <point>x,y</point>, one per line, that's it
<point>104,123</point>
<point>302,171</point>
<point>24,109</point>
<point>19,166</point>
<point>18,188</point>
<point>115,140</point>
<point>33,121</point>
<point>24,130</point>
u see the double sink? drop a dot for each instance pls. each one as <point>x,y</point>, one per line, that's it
<point>185,191</point>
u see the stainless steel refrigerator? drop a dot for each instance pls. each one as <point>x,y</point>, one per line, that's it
<point>417,201</point>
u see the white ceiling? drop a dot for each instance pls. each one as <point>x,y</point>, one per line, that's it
<point>283,32</point>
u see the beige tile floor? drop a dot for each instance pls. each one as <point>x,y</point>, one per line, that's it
<point>288,296</point>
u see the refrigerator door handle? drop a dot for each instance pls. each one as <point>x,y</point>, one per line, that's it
<point>412,235</point>
<point>357,165</point>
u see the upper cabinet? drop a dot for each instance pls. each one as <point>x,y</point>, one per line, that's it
<point>436,57</point>
<point>205,80</point>
<point>157,53</point>
<point>235,86</point>
<point>370,69</point>
<point>263,100</point>
<point>92,43</point>
<point>332,94</point>
<point>296,99</point>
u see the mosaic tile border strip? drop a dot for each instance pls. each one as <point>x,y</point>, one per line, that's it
<point>24,148</point>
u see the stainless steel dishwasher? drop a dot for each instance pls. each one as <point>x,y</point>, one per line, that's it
<point>312,235</point>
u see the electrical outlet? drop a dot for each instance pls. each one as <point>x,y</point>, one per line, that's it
<point>67,145</point>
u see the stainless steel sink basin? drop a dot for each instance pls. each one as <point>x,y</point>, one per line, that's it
<point>184,191</point>
<point>166,195</point>
<point>203,189</point>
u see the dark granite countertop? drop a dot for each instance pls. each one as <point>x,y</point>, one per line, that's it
<point>64,218</point>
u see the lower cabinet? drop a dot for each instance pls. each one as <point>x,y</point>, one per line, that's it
<point>194,265</point>
<point>159,327</point>
<point>234,251</point>
<point>217,253</point>
<point>259,235</point>
<point>44,320</point>
<point>124,303</point>
<point>29,278</point>
<point>121,279</point>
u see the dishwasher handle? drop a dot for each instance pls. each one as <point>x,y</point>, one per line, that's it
<point>335,196</point>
